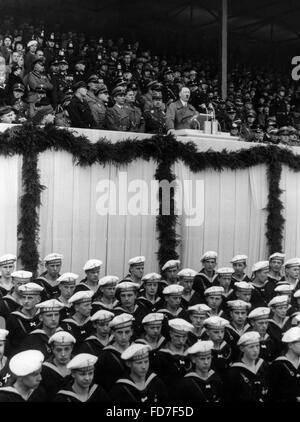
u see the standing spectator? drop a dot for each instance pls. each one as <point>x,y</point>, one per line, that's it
<point>78,109</point>
<point>30,55</point>
<point>155,118</point>
<point>117,117</point>
<point>137,122</point>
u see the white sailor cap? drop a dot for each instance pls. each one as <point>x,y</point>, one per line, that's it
<point>225,270</point>
<point>291,335</point>
<point>151,277</point>
<point>31,289</point>
<point>284,288</point>
<point>153,318</point>
<point>243,286</point>
<point>215,322</point>
<point>62,337</point>
<point>121,321</point>
<point>82,361</point>
<point>7,259</point>
<point>187,272</point>
<point>102,315</point>
<point>170,264</point>
<point>277,255</point>
<point>239,258</point>
<point>22,274</point>
<point>200,308</point>
<point>261,312</point>
<point>91,264</point>
<point>53,257</point>
<point>297,293</point>
<point>3,334</point>
<point>136,260</point>
<point>51,305</point>
<point>238,305</point>
<point>67,278</point>
<point>181,325</point>
<point>214,291</point>
<point>279,300</point>
<point>260,265</point>
<point>127,286</point>
<point>25,363</point>
<point>201,347</point>
<point>248,338</point>
<point>136,351</point>
<point>209,255</point>
<point>107,280</point>
<point>32,42</point>
<point>293,262</point>
<point>82,296</point>
<point>173,289</point>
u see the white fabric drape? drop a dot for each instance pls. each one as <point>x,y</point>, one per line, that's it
<point>69,216</point>
<point>234,217</point>
<point>10,171</point>
<point>290,184</point>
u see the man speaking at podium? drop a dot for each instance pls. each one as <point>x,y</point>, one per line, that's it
<point>181,114</point>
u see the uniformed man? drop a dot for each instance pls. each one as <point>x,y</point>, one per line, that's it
<point>285,289</point>
<point>155,116</point>
<point>225,280</point>
<point>78,109</point>
<point>197,314</point>
<point>55,374</point>
<point>202,384</point>
<point>148,295</point>
<point>215,300</point>
<point>48,279</point>
<point>136,269</point>
<point>21,322</point>
<point>100,336</point>
<point>13,301</point>
<point>279,322</point>
<point>107,289</point>
<point>180,114</point>
<point>66,286</point>
<point>239,264</point>
<point>242,291</point>
<point>172,362</point>
<point>263,288</point>
<point>207,276</point>
<point>110,366</point>
<point>49,316</point>
<point>7,267</point>
<point>189,295</point>
<point>35,78</point>
<point>26,368</point>
<point>292,267</point>
<point>169,273</point>
<point>81,388</point>
<point>79,324</point>
<point>172,304</point>
<point>238,310</point>
<point>284,384</point>
<point>151,335</point>
<point>92,270</point>
<point>117,117</point>
<point>126,293</point>
<point>141,385</point>
<point>221,352</point>
<point>275,266</point>
<point>247,378</point>
<point>99,111</point>
<point>19,105</point>
<point>5,374</point>
<point>137,121</point>
<point>259,321</point>
<point>169,89</point>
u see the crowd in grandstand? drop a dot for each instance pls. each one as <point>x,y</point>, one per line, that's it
<point>192,337</point>
<point>70,79</point>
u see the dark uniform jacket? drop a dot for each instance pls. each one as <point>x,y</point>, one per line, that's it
<point>9,394</point>
<point>243,385</point>
<point>221,359</point>
<point>80,114</point>
<point>93,345</point>
<point>284,382</point>
<point>262,295</point>
<point>126,391</point>
<point>19,325</point>
<point>194,299</point>
<point>202,282</point>
<point>5,373</point>
<point>137,122</point>
<point>8,304</point>
<point>118,118</point>
<point>98,110</point>
<point>98,305</point>
<point>178,116</point>
<point>155,121</point>
<point>193,389</point>
<point>79,331</point>
<point>50,291</point>
<point>96,394</point>
<point>53,380</point>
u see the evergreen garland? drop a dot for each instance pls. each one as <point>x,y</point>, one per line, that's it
<point>29,141</point>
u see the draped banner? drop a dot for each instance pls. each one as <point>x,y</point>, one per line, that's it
<point>75,219</point>
<point>10,185</point>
